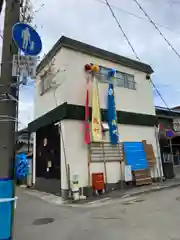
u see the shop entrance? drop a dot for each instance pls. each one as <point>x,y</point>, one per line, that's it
<point>176,155</point>
<point>171,154</point>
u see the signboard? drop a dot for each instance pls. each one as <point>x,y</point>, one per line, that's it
<point>24,66</point>
<point>27,39</point>
<point>128,173</point>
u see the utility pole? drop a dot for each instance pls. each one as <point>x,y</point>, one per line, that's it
<point>8,126</point>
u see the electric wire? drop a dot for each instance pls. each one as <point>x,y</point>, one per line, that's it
<point>158,30</point>
<point>123,32</point>
<point>139,17</point>
<point>128,41</point>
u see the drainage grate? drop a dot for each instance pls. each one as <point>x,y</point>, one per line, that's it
<point>42,221</point>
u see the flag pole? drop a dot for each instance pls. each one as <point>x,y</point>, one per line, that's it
<point>86,123</point>
<point>96,118</point>
<point>104,159</point>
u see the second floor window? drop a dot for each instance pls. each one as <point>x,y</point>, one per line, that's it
<point>47,76</point>
<point>122,79</point>
<point>45,84</point>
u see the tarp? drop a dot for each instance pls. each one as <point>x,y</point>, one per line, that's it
<point>135,155</point>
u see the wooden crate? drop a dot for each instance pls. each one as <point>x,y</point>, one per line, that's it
<point>142,177</point>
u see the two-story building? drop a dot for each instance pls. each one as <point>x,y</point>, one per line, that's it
<point>59,149</point>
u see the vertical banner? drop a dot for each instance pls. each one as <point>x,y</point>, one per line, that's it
<point>87,137</point>
<point>96,114</point>
<point>112,119</point>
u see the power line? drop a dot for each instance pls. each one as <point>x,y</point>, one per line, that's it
<point>139,17</point>
<point>128,41</point>
<point>159,31</point>
<point>119,25</point>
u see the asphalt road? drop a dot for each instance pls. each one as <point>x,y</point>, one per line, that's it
<point>154,216</point>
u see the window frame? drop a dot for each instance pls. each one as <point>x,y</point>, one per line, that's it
<point>130,84</point>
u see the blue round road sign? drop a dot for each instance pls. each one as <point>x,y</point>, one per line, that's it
<point>27,39</point>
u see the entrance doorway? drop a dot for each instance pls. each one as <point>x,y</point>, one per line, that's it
<point>170,151</point>
<point>176,155</point>
<point>48,162</point>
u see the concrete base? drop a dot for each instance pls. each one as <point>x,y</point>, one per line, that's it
<point>65,194</point>
<point>109,187</point>
<point>48,185</point>
<point>158,179</point>
<point>53,186</point>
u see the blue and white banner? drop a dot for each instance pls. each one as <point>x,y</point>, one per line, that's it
<point>112,119</point>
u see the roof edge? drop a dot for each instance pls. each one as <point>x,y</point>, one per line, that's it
<point>94,51</point>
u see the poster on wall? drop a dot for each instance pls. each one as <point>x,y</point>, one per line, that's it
<point>128,173</point>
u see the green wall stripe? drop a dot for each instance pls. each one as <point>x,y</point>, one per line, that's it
<point>77,112</point>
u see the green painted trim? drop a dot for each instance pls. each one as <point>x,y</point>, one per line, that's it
<point>167,113</point>
<point>55,115</point>
<point>77,112</point>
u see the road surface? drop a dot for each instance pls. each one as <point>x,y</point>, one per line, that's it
<point>154,216</point>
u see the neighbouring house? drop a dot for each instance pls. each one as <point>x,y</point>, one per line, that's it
<point>24,143</point>
<point>169,139</point>
<point>59,148</point>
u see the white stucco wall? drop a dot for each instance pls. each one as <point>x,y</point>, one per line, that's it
<point>139,100</point>
<point>54,96</point>
<point>72,90</point>
<point>77,154</point>
<point>73,85</point>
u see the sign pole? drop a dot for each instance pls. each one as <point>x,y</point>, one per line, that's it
<point>7,128</point>
<point>17,36</point>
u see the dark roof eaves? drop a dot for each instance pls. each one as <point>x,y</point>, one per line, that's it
<point>94,51</point>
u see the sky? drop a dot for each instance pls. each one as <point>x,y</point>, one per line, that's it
<point>92,22</point>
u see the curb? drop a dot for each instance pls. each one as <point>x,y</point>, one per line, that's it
<point>49,198</point>
<point>157,189</point>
